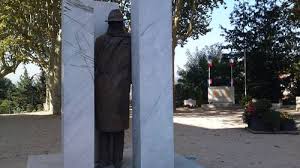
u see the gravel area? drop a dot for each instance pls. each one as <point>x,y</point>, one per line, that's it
<point>213,138</point>
<point>217,139</point>
<point>24,135</point>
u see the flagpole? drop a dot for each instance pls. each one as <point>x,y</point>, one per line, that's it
<point>245,56</point>
<point>245,68</point>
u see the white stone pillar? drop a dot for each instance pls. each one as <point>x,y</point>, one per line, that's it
<point>78,84</point>
<point>80,18</point>
<point>153,144</point>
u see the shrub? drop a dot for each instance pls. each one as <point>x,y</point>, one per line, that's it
<point>262,106</point>
<point>179,103</point>
<point>17,109</point>
<point>5,107</point>
<point>287,122</point>
<point>39,107</point>
<point>249,111</point>
<point>29,108</point>
<point>256,109</point>
<point>200,101</point>
<point>245,100</point>
<point>271,120</point>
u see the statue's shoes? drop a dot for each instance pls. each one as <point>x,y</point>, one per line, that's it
<point>103,165</point>
<point>118,165</point>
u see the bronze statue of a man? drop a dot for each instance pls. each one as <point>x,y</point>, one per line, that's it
<point>112,87</point>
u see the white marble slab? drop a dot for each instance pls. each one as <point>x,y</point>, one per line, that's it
<point>152,84</point>
<point>78,36</point>
<point>221,94</point>
<point>78,97</point>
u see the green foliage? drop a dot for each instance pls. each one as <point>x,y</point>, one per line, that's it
<point>272,120</point>
<point>181,94</point>
<point>270,36</point>
<point>293,83</point>
<point>29,108</point>
<point>191,18</point>
<point>262,106</point>
<point>39,107</point>
<point>28,95</point>
<point>6,86</point>
<point>4,107</point>
<point>24,92</point>
<point>287,122</point>
<point>245,100</point>
<point>30,32</point>
<point>192,82</point>
<point>9,107</point>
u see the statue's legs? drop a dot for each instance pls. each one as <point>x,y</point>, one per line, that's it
<point>109,149</point>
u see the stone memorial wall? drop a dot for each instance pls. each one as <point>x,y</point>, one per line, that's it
<point>221,94</point>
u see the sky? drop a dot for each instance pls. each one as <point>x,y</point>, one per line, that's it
<point>220,16</point>
<point>31,69</point>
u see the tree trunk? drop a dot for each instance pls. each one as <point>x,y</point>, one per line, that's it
<point>54,85</point>
<point>46,105</point>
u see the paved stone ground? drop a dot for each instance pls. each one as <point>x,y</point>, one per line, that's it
<point>215,139</point>
<point>25,135</point>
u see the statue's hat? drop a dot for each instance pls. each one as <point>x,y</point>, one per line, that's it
<point>115,16</point>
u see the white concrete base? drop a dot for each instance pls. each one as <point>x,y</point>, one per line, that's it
<point>56,161</point>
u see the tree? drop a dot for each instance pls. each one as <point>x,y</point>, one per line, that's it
<point>268,33</point>
<point>30,32</point>
<point>8,63</point>
<point>192,82</point>
<point>39,88</point>
<point>28,95</point>
<point>24,93</point>
<point>30,92</point>
<point>5,87</point>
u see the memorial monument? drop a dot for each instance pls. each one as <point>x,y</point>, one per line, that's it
<point>152,129</point>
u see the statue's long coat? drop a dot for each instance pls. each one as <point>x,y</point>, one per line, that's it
<point>112,82</point>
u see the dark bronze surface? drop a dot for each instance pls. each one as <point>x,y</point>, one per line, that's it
<point>115,16</point>
<point>112,87</point>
